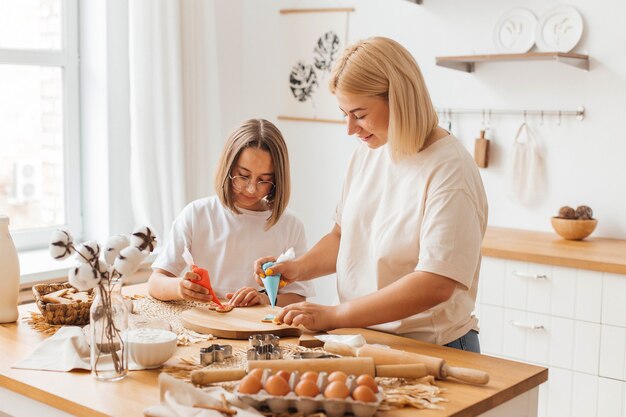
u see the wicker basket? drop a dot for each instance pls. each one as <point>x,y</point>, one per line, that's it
<point>76,313</point>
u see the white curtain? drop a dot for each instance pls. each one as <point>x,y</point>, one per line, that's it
<point>174,106</point>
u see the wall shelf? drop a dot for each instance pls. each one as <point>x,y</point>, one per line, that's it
<point>467,62</point>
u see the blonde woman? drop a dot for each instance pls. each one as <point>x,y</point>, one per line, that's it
<point>408,228</point>
<point>246,219</point>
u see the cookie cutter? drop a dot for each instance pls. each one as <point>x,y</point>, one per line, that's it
<point>264,347</point>
<point>215,353</point>
<point>264,339</point>
<point>264,352</point>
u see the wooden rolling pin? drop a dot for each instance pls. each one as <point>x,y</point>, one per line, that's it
<point>436,367</point>
<point>355,366</point>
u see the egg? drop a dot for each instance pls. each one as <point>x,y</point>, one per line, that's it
<point>276,385</point>
<point>337,376</point>
<point>336,389</point>
<point>284,374</point>
<point>311,375</point>
<point>307,388</point>
<point>249,385</point>
<point>367,380</point>
<point>257,373</point>
<point>364,393</point>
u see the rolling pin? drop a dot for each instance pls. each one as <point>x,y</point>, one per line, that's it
<point>355,366</point>
<point>435,366</point>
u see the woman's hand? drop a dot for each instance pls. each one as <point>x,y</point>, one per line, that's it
<point>288,270</point>
<point>312,316</point>
<point>247,296</point>
<point>189,290</point>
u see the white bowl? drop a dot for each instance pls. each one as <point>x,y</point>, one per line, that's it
<point>151,348</point>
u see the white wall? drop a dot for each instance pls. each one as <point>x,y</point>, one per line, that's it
<point>584,159</point>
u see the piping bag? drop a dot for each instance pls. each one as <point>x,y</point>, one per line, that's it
<point>272,282</point>
<point>205,281</point>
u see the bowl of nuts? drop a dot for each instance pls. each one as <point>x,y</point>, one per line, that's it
<point>574,224</point>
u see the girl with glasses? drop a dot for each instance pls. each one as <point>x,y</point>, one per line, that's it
<point>409,225</point>
<point>225,233</point>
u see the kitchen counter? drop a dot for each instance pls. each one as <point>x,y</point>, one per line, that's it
<point>80,394</point>
<point>593,253</point>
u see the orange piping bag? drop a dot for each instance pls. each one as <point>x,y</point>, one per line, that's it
<point>205,282</point>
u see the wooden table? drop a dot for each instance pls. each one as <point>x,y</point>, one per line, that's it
<point>80,394</point>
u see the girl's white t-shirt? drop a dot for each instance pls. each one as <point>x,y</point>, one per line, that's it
<point>226,244</point>
<point>427,212</point>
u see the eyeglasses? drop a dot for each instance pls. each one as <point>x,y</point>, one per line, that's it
<point>243,183</point>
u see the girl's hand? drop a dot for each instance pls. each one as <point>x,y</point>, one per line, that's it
<point>312,316</point>
<point>188,290</point>
<point>286,269</point>
<point>247,296</point>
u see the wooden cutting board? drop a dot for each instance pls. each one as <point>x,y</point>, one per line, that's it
<point>240,323</point>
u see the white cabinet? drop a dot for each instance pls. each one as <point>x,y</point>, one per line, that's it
<point>570,320</point>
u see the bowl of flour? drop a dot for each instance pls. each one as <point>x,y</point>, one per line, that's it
<point>151,347</point>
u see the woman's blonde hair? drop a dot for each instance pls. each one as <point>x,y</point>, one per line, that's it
<point>381,67</point>
<point>256,134</point>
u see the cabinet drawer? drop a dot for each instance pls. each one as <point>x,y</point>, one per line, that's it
<point>613,352</point>
<point>553,290</point>
<point>613,296</point>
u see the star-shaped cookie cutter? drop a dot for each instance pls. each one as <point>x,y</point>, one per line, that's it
<point>215,353</point>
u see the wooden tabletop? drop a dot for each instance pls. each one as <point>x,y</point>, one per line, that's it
<point>79,393</point>
<point>593,253</point>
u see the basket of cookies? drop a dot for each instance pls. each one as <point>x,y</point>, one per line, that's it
<point>63,304</point>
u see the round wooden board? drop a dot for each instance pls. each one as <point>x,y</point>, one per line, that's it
<point>240,323</point>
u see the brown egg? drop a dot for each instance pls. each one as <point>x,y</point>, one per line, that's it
<point>336,389</point>
<point>257,373</point>
<point>364,393</point>
<point>307,388</point>
<point>367,380</point>
<point>249,385</point>
<point>284,374</point>
<point>311,375</point>
<point>337,376</point>
<point>276,385</point>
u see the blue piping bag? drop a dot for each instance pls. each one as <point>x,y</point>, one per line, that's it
<point>272,282</point>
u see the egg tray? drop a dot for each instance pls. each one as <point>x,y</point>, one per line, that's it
<point>331,406</point>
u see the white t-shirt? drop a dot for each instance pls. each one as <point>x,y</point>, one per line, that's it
<point>226,244</point>
<point>425,213</point>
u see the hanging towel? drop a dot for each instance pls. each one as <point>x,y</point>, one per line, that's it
<point>525,171</point>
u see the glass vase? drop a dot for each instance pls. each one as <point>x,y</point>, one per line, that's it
<point>108,332</point>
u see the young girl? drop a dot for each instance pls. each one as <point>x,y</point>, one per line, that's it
<point>245,220</point>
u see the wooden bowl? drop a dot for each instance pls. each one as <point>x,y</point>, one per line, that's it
<point>571,229</point>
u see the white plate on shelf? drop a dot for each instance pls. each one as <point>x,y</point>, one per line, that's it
<point>515,31</point>
<point>559,29</point>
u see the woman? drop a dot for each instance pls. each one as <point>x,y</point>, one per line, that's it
<point>412,216</point>
<point>225,233</point>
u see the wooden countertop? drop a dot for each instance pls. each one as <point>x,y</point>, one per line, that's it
<point>79,393</point>
<point>593,253</point>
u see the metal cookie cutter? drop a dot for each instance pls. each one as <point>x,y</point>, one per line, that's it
<point>215,353</point>
<point>263,339</point>
<point>264,347</point>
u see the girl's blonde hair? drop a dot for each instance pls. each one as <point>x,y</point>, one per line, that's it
<point>256,134</point>
<point>381,67</point>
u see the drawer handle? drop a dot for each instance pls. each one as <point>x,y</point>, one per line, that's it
<point>529,275</point>
<point>529,326</point>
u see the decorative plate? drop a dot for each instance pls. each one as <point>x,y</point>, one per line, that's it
<point>559,29</point>
<point>515,31</point>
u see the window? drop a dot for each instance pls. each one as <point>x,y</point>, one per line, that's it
<point>39,118</point>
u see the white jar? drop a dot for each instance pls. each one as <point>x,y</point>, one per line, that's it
<point>9,274</point>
